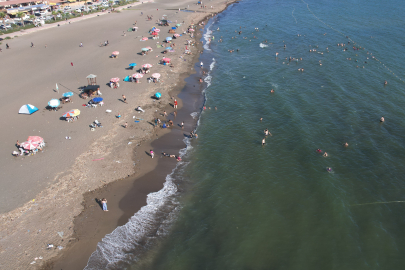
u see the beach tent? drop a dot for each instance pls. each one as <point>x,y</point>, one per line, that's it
<point>28,109</point>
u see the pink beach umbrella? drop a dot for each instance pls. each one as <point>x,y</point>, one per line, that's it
<point>165,59</point>
<point>144,38</point>
<point>29,145</point>
<point>147,66</point>
<point>35,139</point>
<point>115,79</point>
<point>156,75</point>
<point>137,75</point>
<point>150,48</point>
<point>176,35</point>
<point>115,53</point>
<point>157,30</point>
<point>191,30</point>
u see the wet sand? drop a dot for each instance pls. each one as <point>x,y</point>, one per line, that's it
<point>89,160</point>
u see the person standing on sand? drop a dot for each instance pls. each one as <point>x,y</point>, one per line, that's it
<point>32,45</point>
<point>81,44</point>
<point>182,125</point>
<point>124,98</point>
<point>175,104</point>
<point>152,154</point>
<point>126,125</point>
<point>104,204</point>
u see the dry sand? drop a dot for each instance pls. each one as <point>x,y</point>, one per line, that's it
<point>42,194</point>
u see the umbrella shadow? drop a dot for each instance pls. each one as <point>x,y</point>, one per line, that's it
<point>129,68</point>
<point>70,90</point>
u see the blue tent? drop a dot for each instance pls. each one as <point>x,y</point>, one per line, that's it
<point>28,109</point>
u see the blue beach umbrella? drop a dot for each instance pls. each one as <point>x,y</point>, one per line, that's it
<point>67,94</point>
<point>174,28</point>
<point>28,109</point>
<point>97,99</point>
<point>54,103</point>
<point>168,38</point>
<point>168,48</point>
<point>132,64</point>
<point>158,95</point>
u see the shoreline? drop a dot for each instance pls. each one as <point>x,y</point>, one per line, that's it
<point>96,186</point>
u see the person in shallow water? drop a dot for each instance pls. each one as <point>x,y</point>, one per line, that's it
<point>382,119</point>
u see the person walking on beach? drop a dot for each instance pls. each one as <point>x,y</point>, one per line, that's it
<point>124,99</point>
<point>104,204</point>
<point>7,47</point>
<point>152,154</point>
<point>175,104</point>
<point>81,44</point>
<point>201,64</point>
<point>32,45</point>
<point>182,125</point>
<point>126,125</point>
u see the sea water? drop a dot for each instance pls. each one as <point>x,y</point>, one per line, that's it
<point>276,206</point>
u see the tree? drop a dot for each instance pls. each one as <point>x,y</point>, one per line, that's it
<point>2,15</point>
<point>21,15</point>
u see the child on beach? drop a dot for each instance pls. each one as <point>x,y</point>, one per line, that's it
<point>104,204</point>
<point>152,154</point>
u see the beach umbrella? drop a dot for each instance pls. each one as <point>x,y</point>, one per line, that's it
<point>146,65</point>
<point>54,103</point>
<point>156,75</point>
<point>114,79</point>
<point>144,38</point>
<point>97,99</point>
<point>137,75</point>
<point>149,48</point>
<point>28,109</point>
<point>29,145</point>
<point>132,64</point>
<point>35,139</point>
<point>168,38</point>
<point>191,30</point>
<point>165,59</point>
<point>158,95</point>
<point>154,34</point>
<point>145,49</point>
<point>174,28</point>
<point>176,35</point>
<point>157,30</point>
<point>72,113</point>
<point>91,76</point>
<point>178,25</point>
<point>115,53</point>
<point>67,94</point>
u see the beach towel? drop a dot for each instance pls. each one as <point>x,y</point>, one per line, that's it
<point>159,46</point>
<point>129,30</point>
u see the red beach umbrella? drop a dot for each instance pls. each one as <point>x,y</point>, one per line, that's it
<point>29,145</point>
<point>35,139</point>
<point>137,75</point>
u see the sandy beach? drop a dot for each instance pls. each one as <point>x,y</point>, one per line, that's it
<point>42,194</point>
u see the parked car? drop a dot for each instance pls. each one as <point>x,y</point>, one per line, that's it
<point>78,10</point>
<point>7,26</point>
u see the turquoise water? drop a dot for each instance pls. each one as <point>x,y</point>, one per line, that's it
<point>276,206</point>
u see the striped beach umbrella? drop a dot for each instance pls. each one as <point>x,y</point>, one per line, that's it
<point>156,75</point>
<point>157,30</point>
<point>28,109</point>
<point>72,113</point>
<point>29,145</point>
<point>165,59</point>
<point>144,38</point>
<point>146,65</point>
<point>176,35</point>
<point>115,79</point>
<point>149,48</point>
<point>115,53</point>
<point>137,75</point>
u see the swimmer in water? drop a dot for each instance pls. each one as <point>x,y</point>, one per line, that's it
<point>318,150</point>
<point>325,154</point>
<point>329,169</point>
<point>382,119</point>
<point>272,91</point>
<point>266,132</point>
<point>264,141</point>
<point>345,144</point>
<point>385,82</point>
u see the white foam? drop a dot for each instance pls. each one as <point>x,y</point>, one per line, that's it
<point>263,45</point>
<point>194,115</point>
<point>207,37</point>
